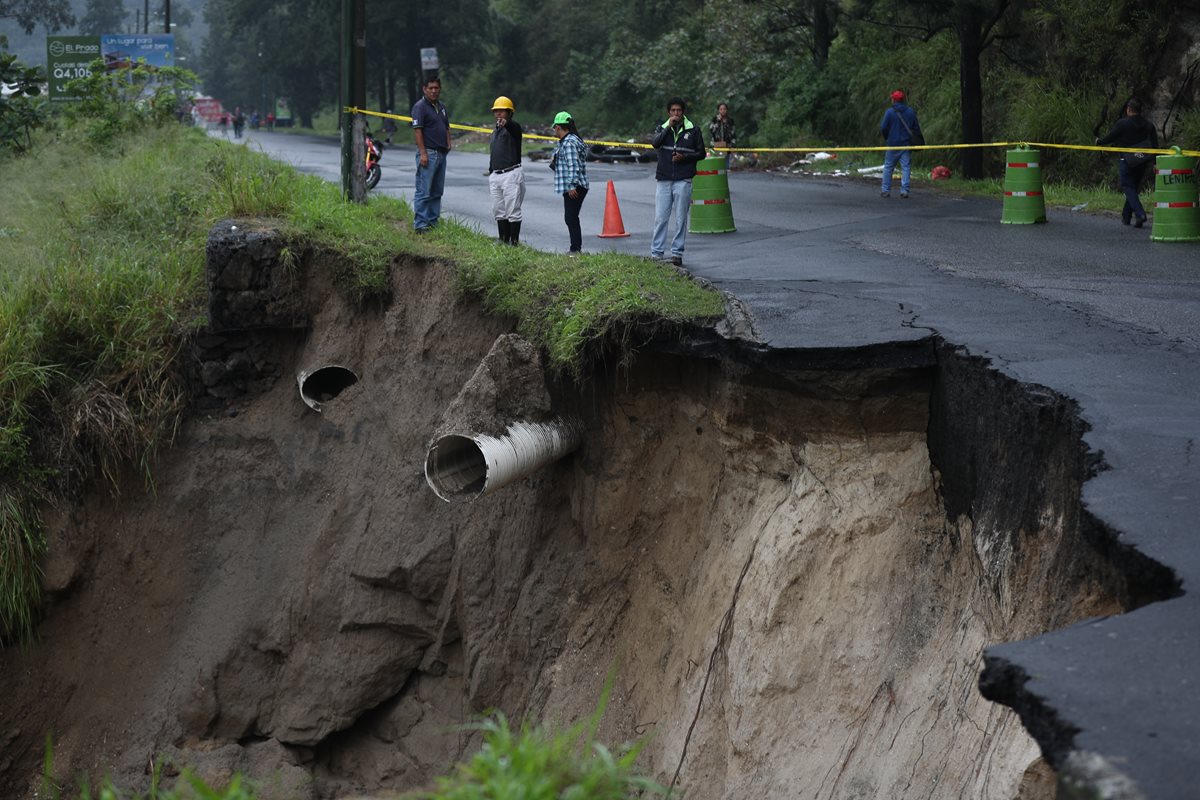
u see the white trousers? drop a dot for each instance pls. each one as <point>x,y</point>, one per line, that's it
<point>508,191</point>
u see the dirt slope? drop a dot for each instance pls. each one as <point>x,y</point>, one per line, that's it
<point>764,557</point>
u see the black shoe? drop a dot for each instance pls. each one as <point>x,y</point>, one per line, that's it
<point>1126,220</point>
<point>677,261</point>
<point>1140,222</point>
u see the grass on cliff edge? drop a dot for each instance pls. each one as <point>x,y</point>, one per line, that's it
<point>102,281</point>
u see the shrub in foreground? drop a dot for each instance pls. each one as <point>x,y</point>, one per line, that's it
<point>534,763</point>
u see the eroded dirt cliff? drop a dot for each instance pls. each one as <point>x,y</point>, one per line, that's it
<point>765,549</point>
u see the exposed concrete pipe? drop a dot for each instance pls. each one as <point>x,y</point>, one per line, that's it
<point>462,467</point>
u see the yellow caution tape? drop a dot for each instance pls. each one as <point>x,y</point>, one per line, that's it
<point>476,129</point>
<point>1096,148</point>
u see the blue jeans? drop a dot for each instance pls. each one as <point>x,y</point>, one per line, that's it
<point>427,193</point>
<point>889,163</point>
<point>1131,179</point>
<point>670,196</point>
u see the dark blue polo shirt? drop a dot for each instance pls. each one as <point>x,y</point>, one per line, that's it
<point>434,122</point>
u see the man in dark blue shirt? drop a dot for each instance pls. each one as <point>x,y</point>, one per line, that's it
<point>1132,130</point>
<point>431,129</point>
<point>898,126</point>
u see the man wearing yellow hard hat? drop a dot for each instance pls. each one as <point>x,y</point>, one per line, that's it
<point>506,178</point>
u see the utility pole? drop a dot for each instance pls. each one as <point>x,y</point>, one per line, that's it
<point>146,17</point>
<point>166,16</point>
<point>353,93</point>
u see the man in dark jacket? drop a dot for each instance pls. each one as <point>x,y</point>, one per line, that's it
<point>680,144</point>
<point>1132,130</point>
<point>506,179</point>
<point>898,126</point>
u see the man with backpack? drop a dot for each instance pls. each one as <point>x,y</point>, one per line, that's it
<point>1132,130</point>
<point>901,130</point>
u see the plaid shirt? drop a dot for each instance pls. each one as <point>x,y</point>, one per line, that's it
<point>569,170</point>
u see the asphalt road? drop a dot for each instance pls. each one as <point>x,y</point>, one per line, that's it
<point>1082,305</point>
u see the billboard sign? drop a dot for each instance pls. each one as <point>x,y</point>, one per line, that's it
<point>209,108</point>
<point>429,58</point>
<point>68,58</point>
<point>124,50</point>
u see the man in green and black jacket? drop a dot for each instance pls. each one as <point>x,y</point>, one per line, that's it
<point>680,144</point>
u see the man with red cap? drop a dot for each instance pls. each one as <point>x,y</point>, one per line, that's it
<point>899,127</point>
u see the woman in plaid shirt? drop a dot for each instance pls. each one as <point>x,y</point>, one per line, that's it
<point>570,174</point>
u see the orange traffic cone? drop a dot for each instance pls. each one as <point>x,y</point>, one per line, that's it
<point>613,227</point>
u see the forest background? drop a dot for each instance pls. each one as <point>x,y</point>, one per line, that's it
<point>794,72</point>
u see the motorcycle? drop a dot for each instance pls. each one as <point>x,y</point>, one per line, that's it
<point>374,151</point>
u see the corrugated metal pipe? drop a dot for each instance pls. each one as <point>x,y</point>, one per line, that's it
<point>464,466</point>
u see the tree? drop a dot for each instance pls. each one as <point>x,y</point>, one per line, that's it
<point>396,32</point>
<point>976,24</point>
<point>103,16</point>
<point>19,114</point>
<point>1112,47</point>
<point>54,14</point>
<point>289,45</point>
<point>814,23</point>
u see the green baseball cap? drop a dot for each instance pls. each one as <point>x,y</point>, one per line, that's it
<point>562,118</point>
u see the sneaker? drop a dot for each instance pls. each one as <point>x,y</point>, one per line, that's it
<point>885,194</point>
<point>573,254</point>
<point>677,261</point>
<point>904,195</point>
<point>1139,222</point>
<point>657,257</point>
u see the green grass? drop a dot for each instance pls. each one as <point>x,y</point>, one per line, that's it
<point>535,762</point>
<point>565,305</point>
<point>103,280</point>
